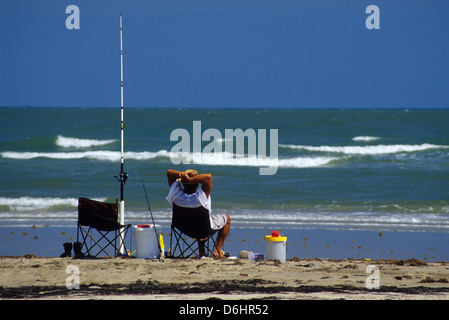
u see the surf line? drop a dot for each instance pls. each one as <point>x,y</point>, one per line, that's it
<point>212,153</point>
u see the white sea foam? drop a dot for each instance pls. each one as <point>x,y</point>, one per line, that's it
<point>102,155</point>
<point>223,140</point>
<point>38,203</point>
<point>24,204</point>
<point>68,142</point>
<point>219,158</point>
<point>365,138</point>
<point>367,150</point>
<point>230,159</point>
<point>343,220</point>
<point>32,209</point>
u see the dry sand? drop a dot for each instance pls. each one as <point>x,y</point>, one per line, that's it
<point>30,277</point>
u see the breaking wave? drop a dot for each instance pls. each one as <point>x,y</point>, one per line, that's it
<point>229,159</point>
<point>367,150</point>
<point>68,142</point>
<point>37,203</point>
<point>34,209</point>
<point>430,216</point>
<point>365,138</point>
<point>101,155</point>
<point>218,159</point>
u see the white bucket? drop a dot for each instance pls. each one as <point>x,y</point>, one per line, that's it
<point>146,241</point>
<point>276,247</point>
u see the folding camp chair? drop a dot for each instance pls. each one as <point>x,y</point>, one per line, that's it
<point>99,228</point>
<point>193,223</point>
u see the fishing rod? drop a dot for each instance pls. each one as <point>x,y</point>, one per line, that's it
<point>152,219</point>
<point>122,176</point>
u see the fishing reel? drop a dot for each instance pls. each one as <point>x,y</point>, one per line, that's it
<point>122,177</point>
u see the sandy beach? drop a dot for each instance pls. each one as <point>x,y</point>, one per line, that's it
<point>330,265</point>
<point>31,277</point>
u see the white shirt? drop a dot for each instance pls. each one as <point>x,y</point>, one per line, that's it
<point>176,194</point>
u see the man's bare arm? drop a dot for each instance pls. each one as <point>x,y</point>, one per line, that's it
<point>172,175</point>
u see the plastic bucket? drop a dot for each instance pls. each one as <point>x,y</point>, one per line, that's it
<point>146,241</point>
<point>276,247</point>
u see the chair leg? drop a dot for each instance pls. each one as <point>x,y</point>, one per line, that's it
<point>122,233</point>
<point>186,249</point>
<point>180,245</point>
<point>103,242</point>
<point>209,249</point>
<point>84,235</point>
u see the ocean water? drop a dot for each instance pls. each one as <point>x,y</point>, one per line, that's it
<point>378,170</point>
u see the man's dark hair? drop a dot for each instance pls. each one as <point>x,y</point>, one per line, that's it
<point>190,188</point>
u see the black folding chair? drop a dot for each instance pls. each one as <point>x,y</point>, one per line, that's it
<point>193,223</point>
<point>99,229</point>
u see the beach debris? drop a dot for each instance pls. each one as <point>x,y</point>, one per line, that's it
<point>244,254</point>
<point>410,262</point>
<point>430,279</point>
<point>403,277</point>
<point>304,242</point>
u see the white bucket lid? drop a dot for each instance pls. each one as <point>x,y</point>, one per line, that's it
<point>143,227</point>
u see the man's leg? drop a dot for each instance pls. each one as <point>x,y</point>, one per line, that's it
<point>221,237</point>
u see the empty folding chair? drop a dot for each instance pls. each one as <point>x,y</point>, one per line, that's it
<point>99,229</point>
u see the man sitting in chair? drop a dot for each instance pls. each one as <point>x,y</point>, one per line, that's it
<point>190,196</point>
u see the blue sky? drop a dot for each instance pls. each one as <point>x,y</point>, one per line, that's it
<point>230,53</point>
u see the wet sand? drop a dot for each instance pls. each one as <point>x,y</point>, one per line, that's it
<point>47,241</point>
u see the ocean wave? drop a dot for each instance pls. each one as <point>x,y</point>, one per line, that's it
<point>365,138</point>
<point>102,155</point>
<point>367,150</point>
<point>305,162</point>
<point>230,159</point>
<point>48,206</point>
<point>361,220</point>
<point>218,159</point>
<point>418,217</point>
<point>68,142</point>
<point>38,203</point>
